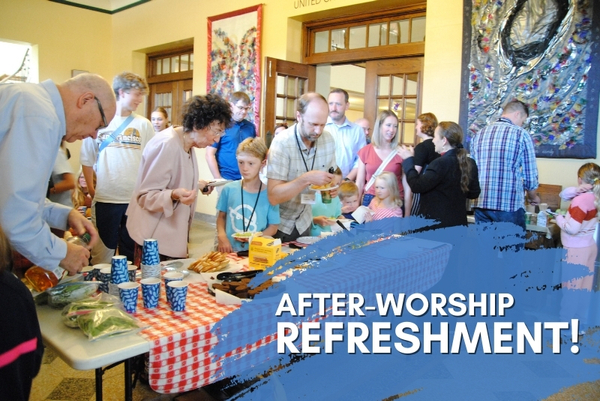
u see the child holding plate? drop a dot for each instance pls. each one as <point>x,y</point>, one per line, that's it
<point>327,207</point>
<point>243,206</point>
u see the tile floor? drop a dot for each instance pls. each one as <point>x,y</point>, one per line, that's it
<point>57,381</point>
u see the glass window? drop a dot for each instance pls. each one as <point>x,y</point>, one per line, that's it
<point>280,85</point>
<point>417,33</point>
<point>397,85</point>
<point>185,62</point>
<point>374,35</point>
<point>166,64</point>
<point>394,38</point>
<point>383,104</point>
<point>290,108</point>
<point>408,136</point>
<point>412,81</point>
<point>384,86</point>
<point>191,61</point>
<point>291,86</point>
<point>338,39</point>
<point>175,64</point>
<point>158,67</point>
<point>358,37</point>
<point>404,30</point>
<point>410,110</point>
<point>321,42</point>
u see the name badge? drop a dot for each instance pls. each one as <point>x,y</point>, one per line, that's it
<point>308,199</point>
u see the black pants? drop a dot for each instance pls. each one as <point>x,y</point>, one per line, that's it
<point>111,222</point>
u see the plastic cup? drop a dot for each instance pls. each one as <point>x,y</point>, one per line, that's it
<point>326,196</point>
<point>132,272</point>
<point>178,290</point>
<point>118,273</point>
<point>104,278</point>
<point>150,292</point>
<point>150,252</point>
<point>169,277</point>
<point>129,296</point>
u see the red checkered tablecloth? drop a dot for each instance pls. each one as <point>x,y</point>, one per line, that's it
<point>180,356</point>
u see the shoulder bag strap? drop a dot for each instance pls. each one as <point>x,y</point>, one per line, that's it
<point>380,169</point>
<point>112,137</point>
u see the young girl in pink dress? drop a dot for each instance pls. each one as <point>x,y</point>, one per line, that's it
<point>387,201</point>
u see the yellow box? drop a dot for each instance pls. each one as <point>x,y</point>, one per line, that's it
<point>264,252</point>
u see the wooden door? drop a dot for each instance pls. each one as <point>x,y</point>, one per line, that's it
<point>170,95</point>
<point>285,82</point>
<point>395,85</point>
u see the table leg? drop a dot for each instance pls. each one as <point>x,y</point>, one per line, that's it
<point>99,374</point>
<point>128,384</point>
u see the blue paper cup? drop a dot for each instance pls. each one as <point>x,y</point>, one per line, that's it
<point>150,292</point>
<point>118,273</point>
<point>104,278</point>
<point>88,273</point>
<point>132,272</point>
<point>97,268</point>
<point>150,252</point>
<point>178,296</point>
<point>169,277</point>
<point>129,296</point>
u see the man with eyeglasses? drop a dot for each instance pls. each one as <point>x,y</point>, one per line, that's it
<point>507,167</point>
<point>115,157</point>
<point>220,157</point>
<point>34,119</point>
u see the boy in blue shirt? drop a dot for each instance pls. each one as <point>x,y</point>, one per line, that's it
<point>243,205</point>
<point>325,214</point>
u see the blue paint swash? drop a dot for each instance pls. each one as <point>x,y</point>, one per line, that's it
<point>484,261</point>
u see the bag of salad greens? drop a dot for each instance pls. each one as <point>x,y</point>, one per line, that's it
<point>65,293</point>
<point>86,305</point>
<point>107,322</point>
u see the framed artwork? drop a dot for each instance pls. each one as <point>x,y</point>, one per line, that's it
<point>544,53</point>
<point>234,56</point>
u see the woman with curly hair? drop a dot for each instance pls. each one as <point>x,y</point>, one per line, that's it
<point>424,154</point>
<point>448,181</point>
<point>164,198</point>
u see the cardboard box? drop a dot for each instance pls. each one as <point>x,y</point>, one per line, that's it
<point>264,252</point>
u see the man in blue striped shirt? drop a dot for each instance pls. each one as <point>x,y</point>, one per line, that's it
<point>507,168</point>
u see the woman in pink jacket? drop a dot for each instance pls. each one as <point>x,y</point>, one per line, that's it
<point>164,199</point>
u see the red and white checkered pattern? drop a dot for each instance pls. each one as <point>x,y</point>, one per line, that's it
<point>180,357</point>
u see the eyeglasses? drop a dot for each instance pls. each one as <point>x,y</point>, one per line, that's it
<point>242,107</point>
<point>217,132</point>
<point>101,110</point>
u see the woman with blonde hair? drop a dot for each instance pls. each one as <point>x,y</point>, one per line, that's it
<point>448,181</point>
<point>379,156</point>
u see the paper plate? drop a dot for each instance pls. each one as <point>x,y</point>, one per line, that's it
<point>247,234</point>
<point>315,188</point>
<point>218,183</point>
<point>307,240</point>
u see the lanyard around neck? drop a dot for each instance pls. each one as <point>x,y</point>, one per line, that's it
<point>302,154</point>
<point>244,226</point>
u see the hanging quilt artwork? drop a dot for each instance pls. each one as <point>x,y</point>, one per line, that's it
<point>234,56</point>
<point>544,53</point>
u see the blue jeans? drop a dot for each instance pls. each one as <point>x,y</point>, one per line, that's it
<point>489,216</point>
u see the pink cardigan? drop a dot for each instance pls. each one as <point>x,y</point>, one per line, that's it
<point>152,213</point>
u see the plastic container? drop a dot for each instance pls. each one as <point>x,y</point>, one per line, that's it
<point>42,279</point>
<point>81,240</point>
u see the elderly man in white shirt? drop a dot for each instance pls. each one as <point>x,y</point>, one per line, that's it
<point>349,137</point>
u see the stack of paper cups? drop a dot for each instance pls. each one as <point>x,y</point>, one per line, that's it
<point>118,274</point>
<point>150,260</point>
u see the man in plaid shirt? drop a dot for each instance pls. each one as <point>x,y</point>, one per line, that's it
<point>299,157</point>
<point>505,158</point>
